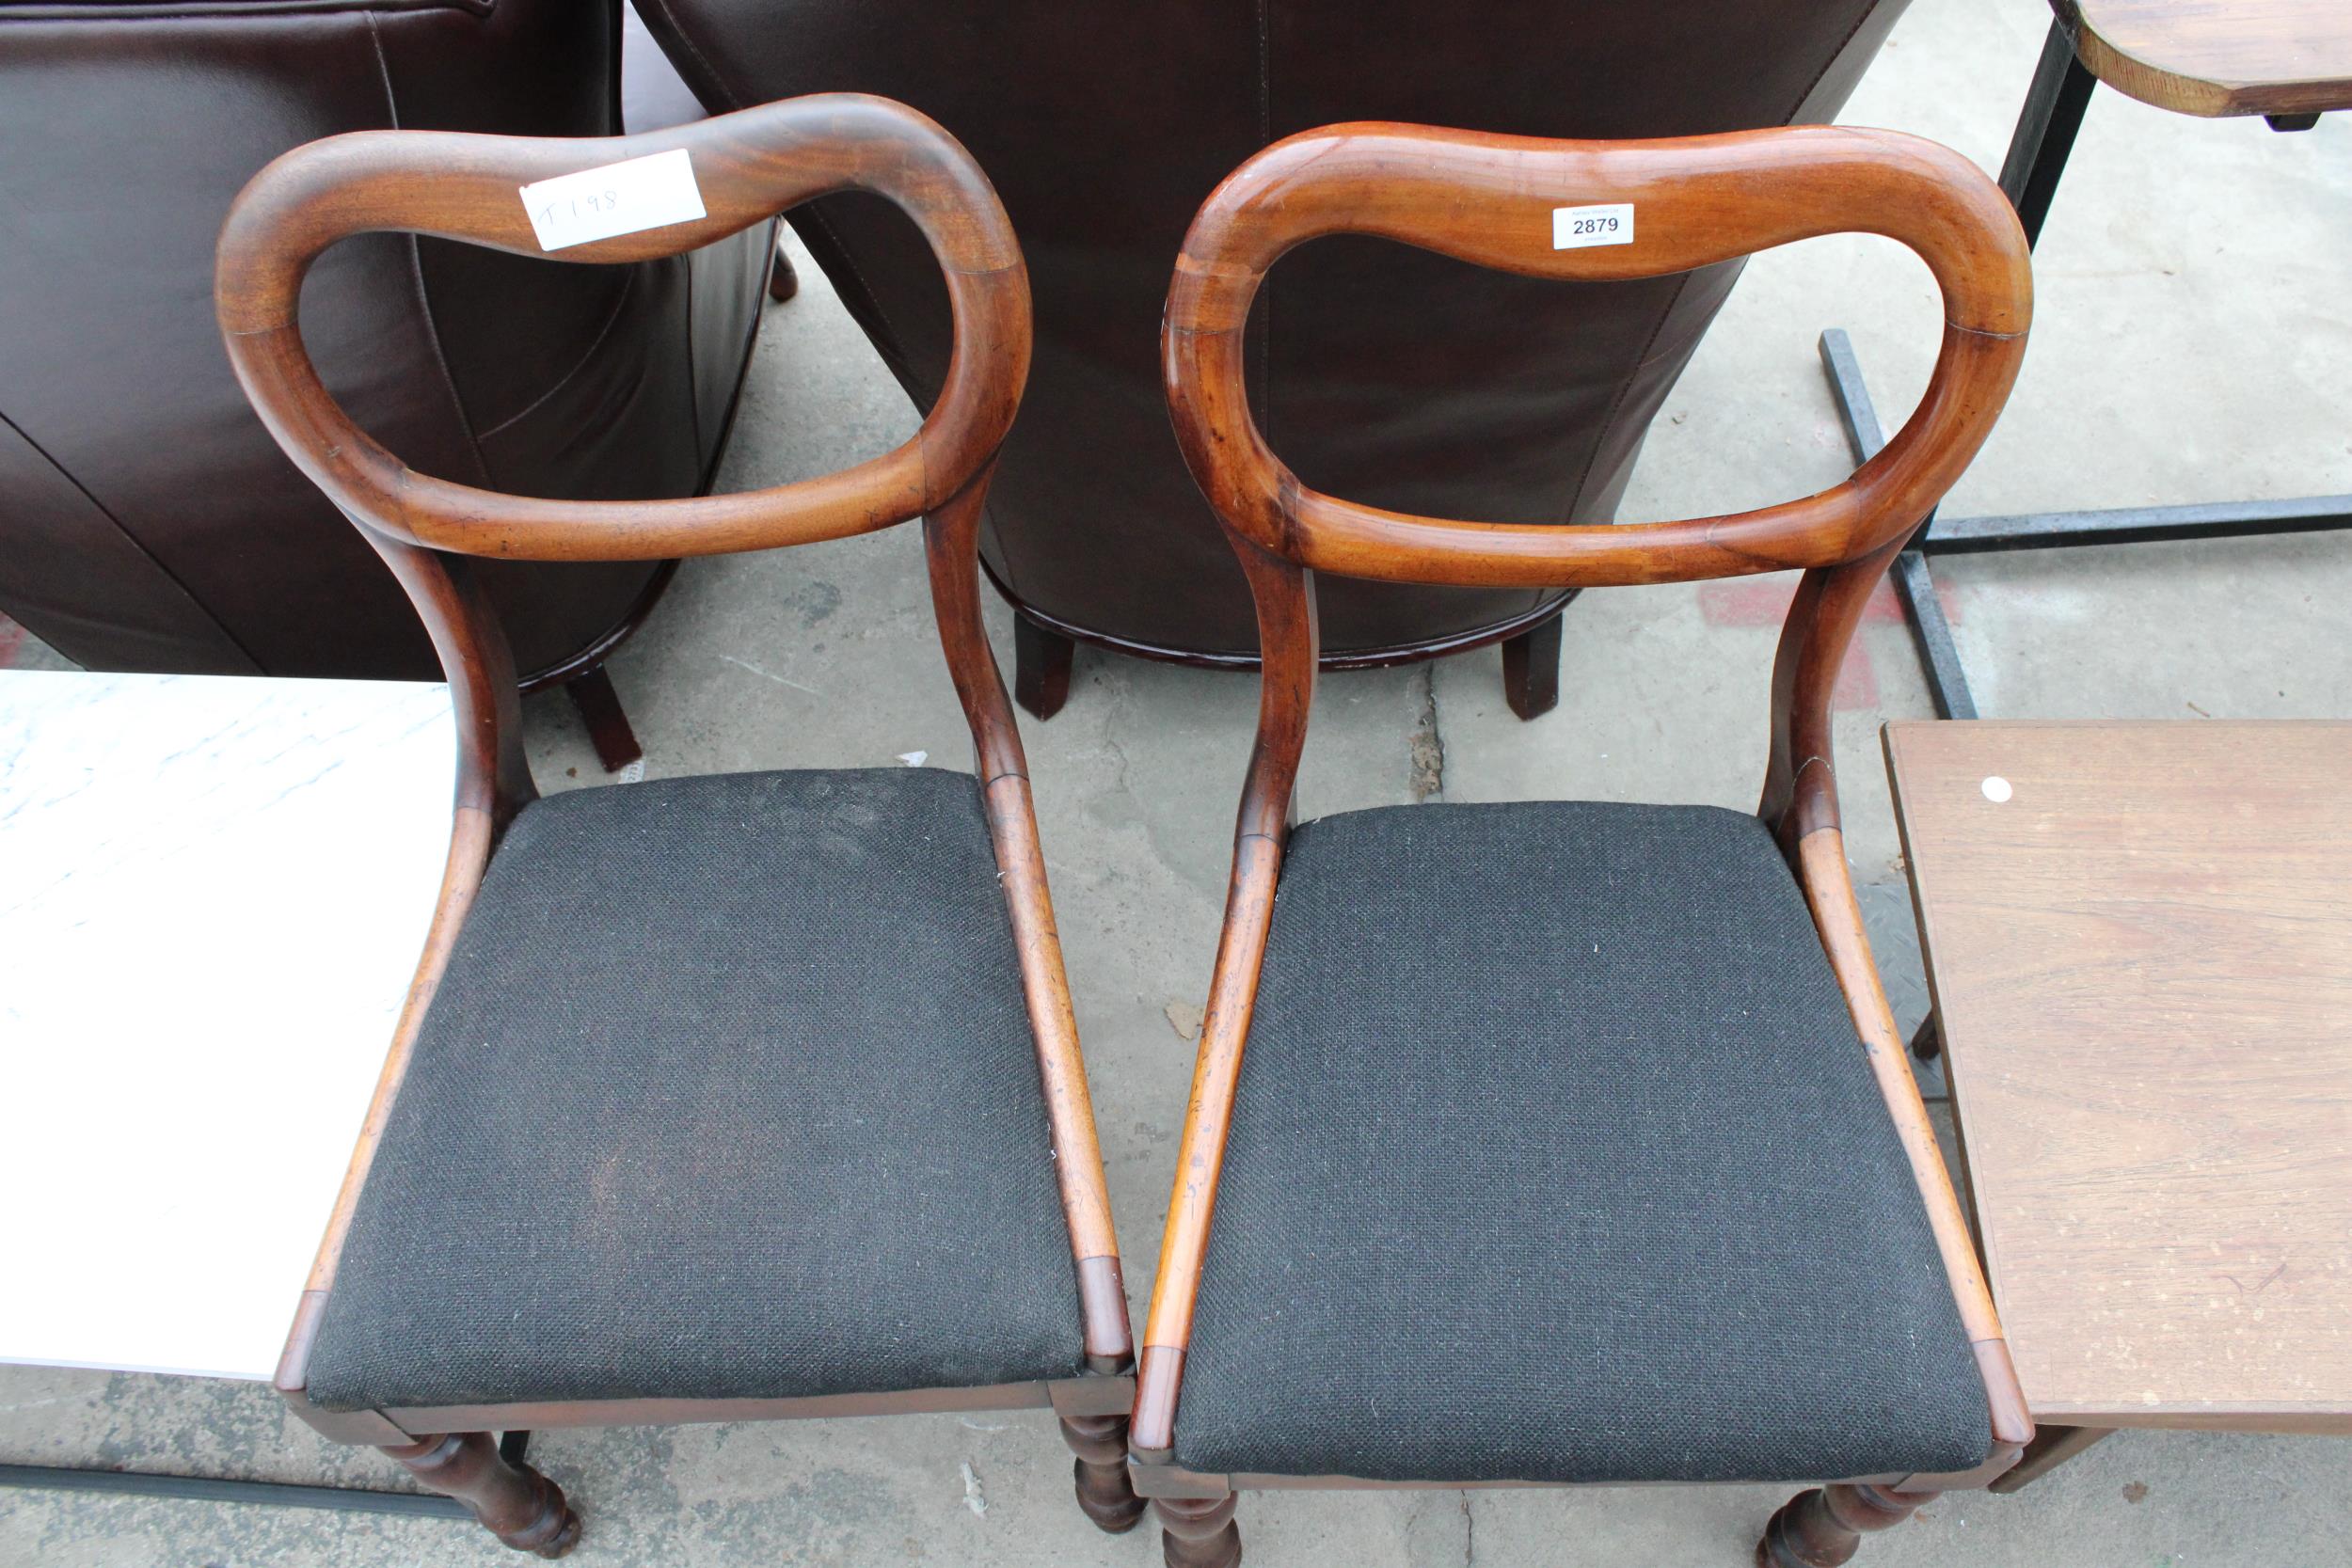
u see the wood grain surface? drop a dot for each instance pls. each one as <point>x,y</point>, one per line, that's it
<point>2217,57</point>
<point>2142,962</point>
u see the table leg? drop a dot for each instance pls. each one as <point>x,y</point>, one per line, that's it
<point>2052,1446</point>
<point>2038,151</point>
<point>2045,131</point>
<point>217,1489</point>
<point>1938,656</point>
<point>1926,1042</point>
<point>258,1493</point>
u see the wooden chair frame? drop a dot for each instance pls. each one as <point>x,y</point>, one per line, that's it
<point>1490,200</point>
<point>749,166</point>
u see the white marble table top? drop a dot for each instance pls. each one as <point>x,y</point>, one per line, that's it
<point>213,892</point>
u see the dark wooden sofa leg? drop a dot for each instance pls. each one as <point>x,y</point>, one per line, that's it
<point>1105,1494</point>
<point>783,282</point>
<point>600,709</point>
<point>1041,667</point>
<point>514,1501</point>
<point>1198,1533</point>
<point>1821,1529</point>
<point>1531,669</point>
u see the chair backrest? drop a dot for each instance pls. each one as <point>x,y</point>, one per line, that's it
<point>744,168</point>
<point>1590,211</point>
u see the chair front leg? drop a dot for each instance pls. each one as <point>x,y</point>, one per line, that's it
<point>1822,1527</point>
<point>1198,1533</point>
<point>1105,1494</point>
<point>514,1501</point>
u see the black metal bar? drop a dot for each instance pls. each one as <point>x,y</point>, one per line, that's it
<point>513,1447</point>
<point>1938,656</point>
<point>2135,525</point>
<point>2045,130</point>
<point>2038,150</point>
<point>267,1494</point>
<point>1855,411</point>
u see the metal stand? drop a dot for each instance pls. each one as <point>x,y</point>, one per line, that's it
<point>2029,177</point>
<point>260,1493</point>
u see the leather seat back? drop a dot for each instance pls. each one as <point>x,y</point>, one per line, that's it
<point>146,519</point>
<point>1388,376</point>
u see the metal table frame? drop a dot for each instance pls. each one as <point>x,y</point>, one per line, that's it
<point>263,1494</point>
<point>2029,177</point>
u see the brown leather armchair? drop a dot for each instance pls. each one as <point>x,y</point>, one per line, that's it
<point>146,520</point>
<point>1395,376</point>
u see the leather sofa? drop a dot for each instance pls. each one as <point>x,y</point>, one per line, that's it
<point>146,520</point>
<point>1384,374</point>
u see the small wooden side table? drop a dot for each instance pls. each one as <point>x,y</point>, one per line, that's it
<point>2287,60</point>
<point>2284,59</point>
<point>2138,938</point>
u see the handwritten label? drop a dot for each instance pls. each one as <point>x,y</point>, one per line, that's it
<point>1574,228</point>
<point>618,198</point>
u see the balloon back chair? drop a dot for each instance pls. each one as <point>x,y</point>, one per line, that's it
<point>1482,1215</point>
<point>715,1098</point>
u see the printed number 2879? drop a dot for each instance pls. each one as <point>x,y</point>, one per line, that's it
<point>1573,227</point>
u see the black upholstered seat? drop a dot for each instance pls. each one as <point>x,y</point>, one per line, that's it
<point>729,1091</point>
<point>1555,1157</point>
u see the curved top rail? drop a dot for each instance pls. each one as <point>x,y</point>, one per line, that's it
<point>1683,202</point>
<point>747,166</point>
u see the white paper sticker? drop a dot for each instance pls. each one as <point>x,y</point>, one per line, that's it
<point>618,198</point>
<point>1574,228</point>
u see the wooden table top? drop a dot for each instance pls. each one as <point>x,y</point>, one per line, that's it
<point>2216,57</point>
<point>2139,940</point>
<point>213,892</point>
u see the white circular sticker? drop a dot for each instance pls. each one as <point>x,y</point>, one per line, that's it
<point>1997,790</point>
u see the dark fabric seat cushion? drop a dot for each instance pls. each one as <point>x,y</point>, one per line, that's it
<point>729,1092</point>
<point>1557,1157</point>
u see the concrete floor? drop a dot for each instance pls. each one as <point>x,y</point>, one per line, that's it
<point>2194,328</point>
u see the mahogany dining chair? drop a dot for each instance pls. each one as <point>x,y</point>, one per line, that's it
<point>1573,1141</point>
<point>715,1098</point>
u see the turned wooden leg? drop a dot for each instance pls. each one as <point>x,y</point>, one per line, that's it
<point>1041,667</point>
<point>783,282</point>
<point>1530,669</point>
<point>1105,1494</point>
<point>1198,1533</point>
<point>2051,1448</point>
<point>515,1502</point>
<point>599,708</point>
<point>1820,1529</point>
